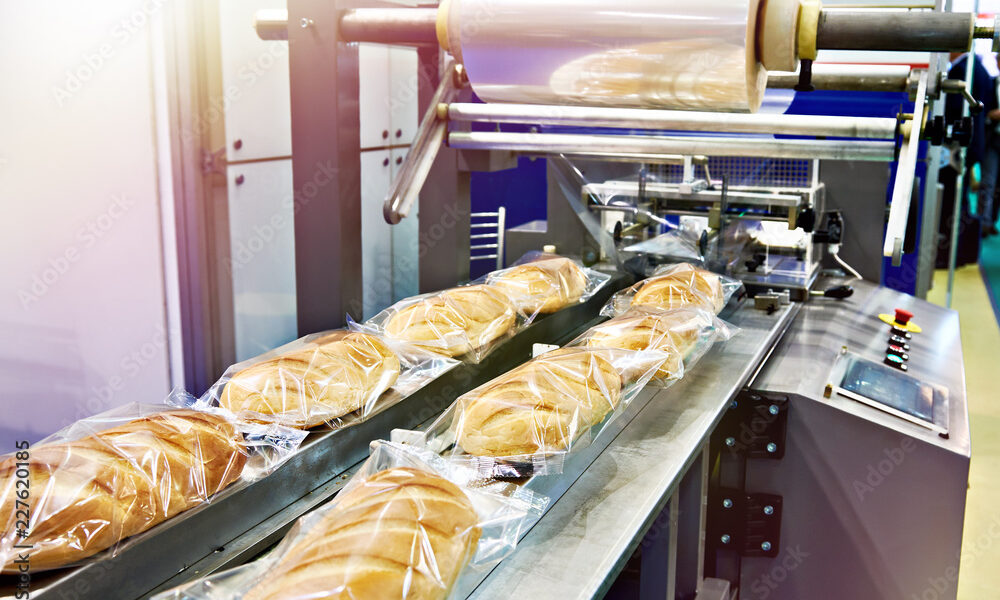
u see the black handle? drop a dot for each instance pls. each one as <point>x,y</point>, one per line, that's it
<point>839,292</point>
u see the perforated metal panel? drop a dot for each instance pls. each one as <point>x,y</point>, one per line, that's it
<point>748,171</point>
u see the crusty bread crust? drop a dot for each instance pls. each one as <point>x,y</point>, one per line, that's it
<point>541,406</point>
<point>543,286</point>
<point>685,285</point>
<point>328,378</point>
<point>674,332</point>
<point>455,321</point>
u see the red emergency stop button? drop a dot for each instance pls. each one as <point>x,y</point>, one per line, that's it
<point>903,316</point>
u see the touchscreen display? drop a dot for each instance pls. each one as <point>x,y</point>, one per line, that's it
<point>890,387</point>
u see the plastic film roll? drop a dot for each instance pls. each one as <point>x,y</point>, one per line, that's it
<point>673,54</point>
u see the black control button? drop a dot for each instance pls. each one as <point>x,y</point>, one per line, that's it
<point>895,361</point>
<point>897,351</point>
<point>898,341</point>
<point>896,331</point>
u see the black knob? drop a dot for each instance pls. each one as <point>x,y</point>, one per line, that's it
<point>807,219</point>
<point>897,351</point>
<point>895,361</point>
<point>896,331</point>
<point>805,76</point>
<point>898,341</point>
<point>839,292</point>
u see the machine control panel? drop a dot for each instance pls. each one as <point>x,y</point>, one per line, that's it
<point>901,329</point>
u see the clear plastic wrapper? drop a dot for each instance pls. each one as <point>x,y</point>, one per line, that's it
<point>92,485</point>
<point>683,334</point>
<point>725,249</point>
<point>544,283</point>
<point>527,420</point>
<point>465,322</point>
<point>334,379</point>
<point>406,526</point>
<point>675,286</point>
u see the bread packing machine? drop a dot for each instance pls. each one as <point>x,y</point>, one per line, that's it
<point>823,452</point>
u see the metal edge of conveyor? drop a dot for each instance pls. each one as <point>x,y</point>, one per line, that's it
<point>554,487</point>
<point>247,519</point>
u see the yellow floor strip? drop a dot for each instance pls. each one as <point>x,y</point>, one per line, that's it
<point>979,577</point>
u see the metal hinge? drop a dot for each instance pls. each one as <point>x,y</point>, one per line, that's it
<point>747,523</point>
<point>755,425</point>
<point>213,162</point>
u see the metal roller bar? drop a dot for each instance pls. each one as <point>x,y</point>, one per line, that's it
<point>850,78</point>
<point>632,118</point>
<point>916,31</point>
<point>271,24</point>
<point>408,26</point>
<point>837,29</point>
<point>552,143</point>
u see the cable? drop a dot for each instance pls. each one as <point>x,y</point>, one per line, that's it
<point>835,252</point>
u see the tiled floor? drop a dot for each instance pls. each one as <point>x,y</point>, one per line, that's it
<point>979,578</point>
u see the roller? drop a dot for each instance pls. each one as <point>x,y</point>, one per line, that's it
<point>706,55</point>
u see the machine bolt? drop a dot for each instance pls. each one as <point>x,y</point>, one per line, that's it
<point>385,134</point>
<point>240,179</point>
<point>237,144</point>
<point>385,163</point>
<point>399,160</point>
<point>727,503</point>
<point>772,447</point>
<point>766,546</point>
<point>725,538</point>
<point>772,409</point>
<point>730,442</point>
<point>768,510</point>
<point>399,133</point>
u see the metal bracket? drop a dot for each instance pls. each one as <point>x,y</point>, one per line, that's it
<point>755,425</point>
<point>902,191</point>
<point>747,523</point>
<point>213,162</point>
<point>424,150</point>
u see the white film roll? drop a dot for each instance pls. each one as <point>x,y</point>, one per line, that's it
<point>676,54</point>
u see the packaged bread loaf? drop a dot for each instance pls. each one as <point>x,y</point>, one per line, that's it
<point>540,406</point>
<point>88,494</point>
<point>675,286</point>
<point>333,378</point>
<point>527,419</point>
<point>400,533</point>
<point>544,283</point>
<point>405,526</point>
<point>325,379</point>
<point>683,334</point>
<point>463,321</point>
